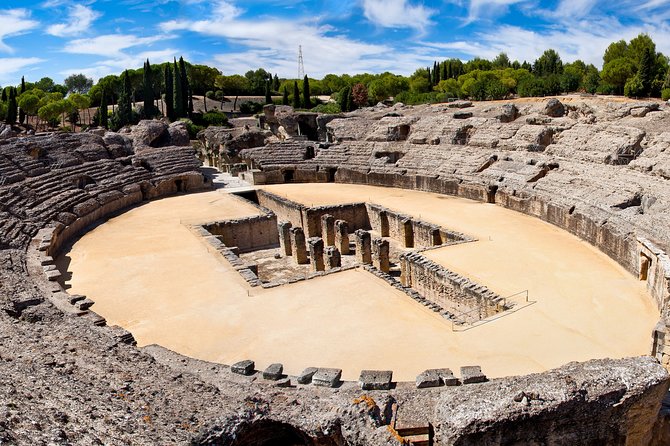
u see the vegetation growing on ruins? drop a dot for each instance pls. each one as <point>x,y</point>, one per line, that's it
<point>634,69</point>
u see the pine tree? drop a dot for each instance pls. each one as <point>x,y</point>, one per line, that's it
<point>125,111</point>
<point>179,110</point>
<point>102,110</point>
<point>169,92</point>
<point>22,115</point>
<point>185,88</point>
<point>296,95</point>
<point>284,99</point>
<point>268,95</point>
<point>148,87</point>
<point>645,71</point>
<point>305,92</point>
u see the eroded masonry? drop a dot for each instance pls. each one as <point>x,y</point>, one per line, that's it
<point>596,169</point>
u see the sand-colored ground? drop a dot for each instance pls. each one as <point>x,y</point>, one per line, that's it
<point>148,273</point>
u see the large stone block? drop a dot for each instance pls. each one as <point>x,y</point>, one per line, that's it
<point>284,229</point>
<point>472,374</point>
<point>316,254</point>
<point>245,367</point>
<point>306,376</point>
<point>375,379</point>
<point>328,229</point>
<point>273,372</point>
<point>327,377</point>
<point>342,236</point>
<point>298,247</point>
<point>363,246</point>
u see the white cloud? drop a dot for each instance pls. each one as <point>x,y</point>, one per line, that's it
<point>11,67</point>
<point>273,43</point>
<point>122,62</point>
<point>14,22</point>
<point>79,20</point>
<point>574,8</point>
<point>480,8</point>
<point>109,44</point>
<point>397,14</point>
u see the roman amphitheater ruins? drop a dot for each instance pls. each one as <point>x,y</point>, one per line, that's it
<point>487,273</point>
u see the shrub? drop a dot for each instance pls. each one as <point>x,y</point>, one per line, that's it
<point>216,118</point>
<point>250,107</point>
<point>329,108</point>
<point>192,128</point>
<point>665,94</point>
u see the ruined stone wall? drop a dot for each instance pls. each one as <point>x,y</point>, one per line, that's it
<point>283,208</point>
<point>355,214</point>
<point>247,234</point>
<point>467,300</point>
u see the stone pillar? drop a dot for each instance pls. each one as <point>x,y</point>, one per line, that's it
<point>405,271</point>
<point>316,253</point>
<point>407,233</point>
<point>380,254</point>
<point>285,238</point>
<point>328,229</point>
<point>342,236</point>
<point>298,245</point>
<point>332,257</point>
<point>363,247</point>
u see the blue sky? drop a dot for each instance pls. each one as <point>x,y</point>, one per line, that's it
<point>56,38</point>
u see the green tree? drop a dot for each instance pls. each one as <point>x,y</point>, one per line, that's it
<point>178,94</point>
<point>78,83</point>
<point>307,101</point>
<point>124,115</point>
<point>616,50</point>
<point>102,111</point>
<point>257,80</point>
<point>169,92</point>
<point>80,102</point>
<point>148,91</point>
<point>46,84</point>
<point>29,103</point>
<point>645,71</point>
<point>617,72</point>
<point>634,87</point>
<point>234,85</point>
<point>185,88</point>
<point>12,106</point>
<point>501,61</point>
<point>344,99</point>
<point>296,95</point>
<point>548,63</point>
<point>275,83</point>
<point>268,93</point>
<point>22,113</point>
<point>284,99</point>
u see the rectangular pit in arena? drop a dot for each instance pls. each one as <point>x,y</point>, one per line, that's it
<point>289,242</point>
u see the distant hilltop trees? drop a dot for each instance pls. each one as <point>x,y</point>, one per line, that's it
<point>171,89</point>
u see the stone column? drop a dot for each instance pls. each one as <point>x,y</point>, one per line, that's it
<point>342,236</point>
<point>316,253</point>
<point>405,271</point>
<point>363,247</point>
<point>380,254</point>
<point>285,238</point>
<point>332,257</point>
<point>328,229</point>
<point>298,245</point>
<point>407,233</point>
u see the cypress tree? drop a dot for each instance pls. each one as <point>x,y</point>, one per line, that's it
<point>268,96</point>
<point>169,92</point>
<point>190,102</point>
<point>102,110</point>
<point>296,95</point>
<point>185,88</point>
<point>275,83</point>
<point>646,71</point>
<point>11,106</point>
<point>3,97</point>
<point>179,111</point>
<point>351,105</point>
<point>125,110</point>
<point>436,74</point>
<point>305,93</point>
<point>148,84</point>
<point>430,76</point>
<point>22,115</point>
<point>443,68</point>
<point>284,99</point>
<point>345,98</point>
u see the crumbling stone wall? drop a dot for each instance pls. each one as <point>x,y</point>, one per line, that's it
<point>469,301</point>
<point>355,214</point>
<point>247,234</point>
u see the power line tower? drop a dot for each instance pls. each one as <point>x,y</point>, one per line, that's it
<point>301,63</point>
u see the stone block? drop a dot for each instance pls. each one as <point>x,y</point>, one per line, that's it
<point>283,382</point>
<point>328,229</point>
<point>245,367</point>
<point>363,247</point>
<point>53,275</point>
<point>273,372</point>
<point>327,377</point>
<point>428,378</point>
<point>447,377</point>
<point>298,247</point>
<point>332,257</point>
<point>284,228</point>
<point>306,376</point>
<point>84,304</point>
<point>342,236</point>
<point>380,255</point>
<point>375,379</point>
<point>316,254</point>
<point>472,374</point>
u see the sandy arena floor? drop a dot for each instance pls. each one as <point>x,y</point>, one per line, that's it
<point>148,273</point>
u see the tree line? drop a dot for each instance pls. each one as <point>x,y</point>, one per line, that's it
<point>634,69</point>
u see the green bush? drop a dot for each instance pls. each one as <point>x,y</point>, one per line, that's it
<point>216,118</point>
<point>409,98</point>
<point>192,128</point>
<point>250,107</point>
<point>329,108</point>
<point>665,94</point>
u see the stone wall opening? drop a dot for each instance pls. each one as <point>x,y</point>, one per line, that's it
<point>288,175</point>
<point>271,433</point>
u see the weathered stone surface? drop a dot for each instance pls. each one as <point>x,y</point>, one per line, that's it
<point>178,134</point>
<point>462,115</point>
<point>150,133</point>
<point>375,379</point>
<point>6,131</point>
<point>363,246</point>
<point>471,374</point>
<point>554,108</point>
<point>273,372</point>
<point>428,378</point>
<point>306,375</point>
<point>508,113</point>
<point>245,367</point>
<point>327,377</point>
<point>447,377</point>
